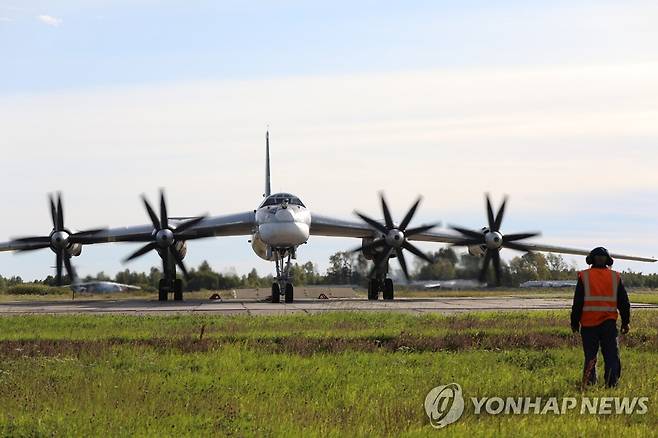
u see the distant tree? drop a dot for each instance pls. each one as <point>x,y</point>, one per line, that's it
<point>252,279</point>
<point>202,280</point>
<point>443,268</point>
<point>154,277</point>
<point>468,266</point>
<point>228,281</point>
<point>102,277</point>
<point>530,266</point>
<point>340,268</point>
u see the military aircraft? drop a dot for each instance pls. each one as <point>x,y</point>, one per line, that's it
<point>98,286</point>
<point>278,226</point>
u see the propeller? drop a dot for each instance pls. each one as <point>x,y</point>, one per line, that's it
<point>60,240</point>
<point>493,240</point>
<point>393,238</point>
<point>164,237</point>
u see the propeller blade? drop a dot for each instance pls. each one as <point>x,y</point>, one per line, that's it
<point>154,218</point>
<point>33,248</point>
<point>53,212</point>
<point>409,215</point>
<point>69,268</point>
<point>58,267</point>
<point>490,215</point>
<point>519,236</point>
<point>378,243</point>
<point>164,219</point>
<point>403,262</point>
<point>470,233</point>
<point>60,213</point>
<point>387,213</point>
<point>140,252</point>
<point>36,239</point>
<point>499,216</point>
<point>86,236</point>
<point>419,230</point>
<point>188,224</point>
<point>497,269</point>
<point>373,223</point>
<point>418,253</point>
<point>485,266</point>
<point>179,262</point>
<point>517,246</point>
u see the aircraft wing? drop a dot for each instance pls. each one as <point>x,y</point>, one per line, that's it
<point>239,224</point>
<point>327,226</point>
<point>583,252</point>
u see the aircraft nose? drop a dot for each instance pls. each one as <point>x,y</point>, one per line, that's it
<point>284,215</point>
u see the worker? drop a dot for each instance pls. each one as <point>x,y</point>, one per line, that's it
<point>599,297</point>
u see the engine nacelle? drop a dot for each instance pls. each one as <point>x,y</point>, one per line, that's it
<point>371,254</point>
<point>477,250</point>
<point>181,247</point>
<point>74,249</point>
<point>368,254</point>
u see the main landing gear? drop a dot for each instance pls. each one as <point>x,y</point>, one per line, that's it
<point>283,285</point>
<point>376,285</point>
<point>167,287</point>
<point>170,284</point>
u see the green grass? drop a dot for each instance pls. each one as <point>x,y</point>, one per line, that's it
<point>337,374</point>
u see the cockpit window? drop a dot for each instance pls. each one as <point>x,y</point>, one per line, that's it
<point>279,198</point>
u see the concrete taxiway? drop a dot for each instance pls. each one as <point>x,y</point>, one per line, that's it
<point>256,307</point>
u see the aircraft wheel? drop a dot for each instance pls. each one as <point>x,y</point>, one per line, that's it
<point>178,290</point>
<point>289,293</point>
<point>388,289</point>
<point>276,293</point>
<point>163,290</point>
<point>373,290</point>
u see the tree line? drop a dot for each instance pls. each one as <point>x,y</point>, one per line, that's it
<point>350,268</point>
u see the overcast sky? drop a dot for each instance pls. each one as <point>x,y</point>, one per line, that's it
<point>554,103</point>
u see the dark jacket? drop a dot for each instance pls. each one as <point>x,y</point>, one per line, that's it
<point>623,304</point>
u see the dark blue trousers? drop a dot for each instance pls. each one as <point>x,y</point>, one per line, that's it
<point>603,335</point>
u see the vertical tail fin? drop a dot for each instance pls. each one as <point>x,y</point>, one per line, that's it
<point>268,190</point>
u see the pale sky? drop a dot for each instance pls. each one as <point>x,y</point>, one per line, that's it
<point>553,103</point>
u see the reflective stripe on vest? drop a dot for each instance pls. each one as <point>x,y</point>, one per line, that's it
<point>588,289</point>
<point>600,301</point>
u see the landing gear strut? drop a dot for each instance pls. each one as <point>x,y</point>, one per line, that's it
<point>373,289</point>
<point>380,283</point>
<point>283,281</point>
<point>170,284</point>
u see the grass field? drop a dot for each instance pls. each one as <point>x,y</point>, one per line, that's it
<point>338,374</point>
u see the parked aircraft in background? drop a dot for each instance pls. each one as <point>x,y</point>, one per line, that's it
<point>101,287</point>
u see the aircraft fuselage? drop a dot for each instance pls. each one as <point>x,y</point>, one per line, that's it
<point>283,222</point>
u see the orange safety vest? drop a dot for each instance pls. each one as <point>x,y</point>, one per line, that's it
<point>600,295</point>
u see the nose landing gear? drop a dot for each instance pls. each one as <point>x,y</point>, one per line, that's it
<point>283,280</point>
